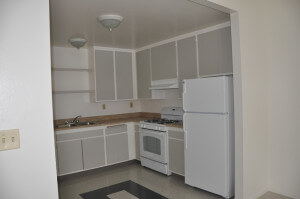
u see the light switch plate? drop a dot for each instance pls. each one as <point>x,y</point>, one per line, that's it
<point>9,139</point>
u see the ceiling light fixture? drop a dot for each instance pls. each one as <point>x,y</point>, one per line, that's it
<point>77,42</point>
<point>110,21</point>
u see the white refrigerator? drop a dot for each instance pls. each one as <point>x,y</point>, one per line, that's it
<point>208,123</point>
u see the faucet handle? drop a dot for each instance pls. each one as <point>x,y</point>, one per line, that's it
<point>66,122</point>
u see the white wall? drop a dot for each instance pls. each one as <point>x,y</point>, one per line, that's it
<point>25,100</point>
<point>252,166</point>
<point>283,43</point>
<point>270,46</point>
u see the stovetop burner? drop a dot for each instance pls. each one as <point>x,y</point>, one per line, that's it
<point>163,121</point>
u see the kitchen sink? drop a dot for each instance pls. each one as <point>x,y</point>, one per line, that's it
<point>76,124</point>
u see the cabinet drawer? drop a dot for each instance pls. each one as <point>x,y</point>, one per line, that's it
<point>176,134</point>
<point>79,135</point>
<point>121,128</point>
<point>136,127</point>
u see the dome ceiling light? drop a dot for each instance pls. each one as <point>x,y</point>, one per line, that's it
<point>77,42</point>
<point>110,21</point>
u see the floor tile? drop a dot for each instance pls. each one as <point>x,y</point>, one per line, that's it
<point>172,187</point>
<point>121,195</point>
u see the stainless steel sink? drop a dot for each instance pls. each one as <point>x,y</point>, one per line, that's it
<point>76,124</point>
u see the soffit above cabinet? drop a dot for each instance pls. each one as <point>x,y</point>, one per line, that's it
<point>145,22</point>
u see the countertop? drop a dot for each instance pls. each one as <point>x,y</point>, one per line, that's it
<point>112,120</point>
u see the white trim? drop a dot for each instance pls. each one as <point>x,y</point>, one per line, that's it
<point>171,138</point>
<point>71,69</point>
<point>113,49</point>
<point>197,56</point>
<point>115,133</point>
<point>115,75</point>
<point>184,36</point>
<point>134,76</point>
<point>216,75</point>
<point>177,67</point>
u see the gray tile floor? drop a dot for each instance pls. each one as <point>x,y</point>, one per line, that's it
<point>171,187</point>
<point>270,195</point>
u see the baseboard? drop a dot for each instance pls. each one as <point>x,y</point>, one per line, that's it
<point>284,194</point>
<point>258,194</point>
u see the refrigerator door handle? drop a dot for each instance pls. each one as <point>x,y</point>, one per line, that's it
<point>184,130</point>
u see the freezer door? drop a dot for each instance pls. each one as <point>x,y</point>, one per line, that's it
<point>206,95</point>
<point>206,152</point>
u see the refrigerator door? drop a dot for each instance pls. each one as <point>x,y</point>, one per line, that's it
<point>206,152</point>
<point>206,95</point>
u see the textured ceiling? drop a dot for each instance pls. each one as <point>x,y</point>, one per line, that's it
<point>145,21</point>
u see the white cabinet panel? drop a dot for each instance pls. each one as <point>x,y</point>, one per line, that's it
<point>143,74</point>
<point>176,156</point>
<point>69,156</point>
<point>187,60</point>
<point>163,62</point>
<point>93,152</point>
<point>137,145</point>
<point>215,52</point>
<point>117,148</point>
<point>104,75</point>
<point>124,79</point>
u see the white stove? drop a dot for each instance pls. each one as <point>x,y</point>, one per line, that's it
<point>154,147</point>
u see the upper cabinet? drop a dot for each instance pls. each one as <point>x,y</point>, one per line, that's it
<point>143,74</point>
<point>124,75</point>
<point>163,62</point>
<point>187,60</point>
<point>215,52</point>
<point>160,66</point>
<point>104,75</point>
<point>113,75</point>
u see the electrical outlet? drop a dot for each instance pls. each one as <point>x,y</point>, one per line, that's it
<point>9,139</point>
<point>131,104</point>
<point>103,106</point>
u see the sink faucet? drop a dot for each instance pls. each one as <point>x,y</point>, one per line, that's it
<point>75,120</point>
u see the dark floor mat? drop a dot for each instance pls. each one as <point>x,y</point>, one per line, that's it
<point>129,186</point>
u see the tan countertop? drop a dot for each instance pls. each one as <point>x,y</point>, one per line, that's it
<point>111,120</point>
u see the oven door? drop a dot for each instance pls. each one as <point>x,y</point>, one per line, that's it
<point>153,145</point>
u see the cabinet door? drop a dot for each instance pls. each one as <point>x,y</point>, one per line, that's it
<point>163,62</point>
<point>124,75</point>
<point>93,152</point>
<point>187,60</point>
<point>117,148</point>
<point>69,156</point>
<point>215,52</point>
<point>104,75</point>
<point>143,74</point>
<point>176,156</point>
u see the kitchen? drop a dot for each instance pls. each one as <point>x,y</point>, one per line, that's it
<point>121,81</point>
<point>265,48</point>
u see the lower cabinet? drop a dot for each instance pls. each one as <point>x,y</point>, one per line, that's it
<point>69,155</point>
<point>176,151</point>
<point>117,148</point>
<point>93,152</point>
<point>176,156</point>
